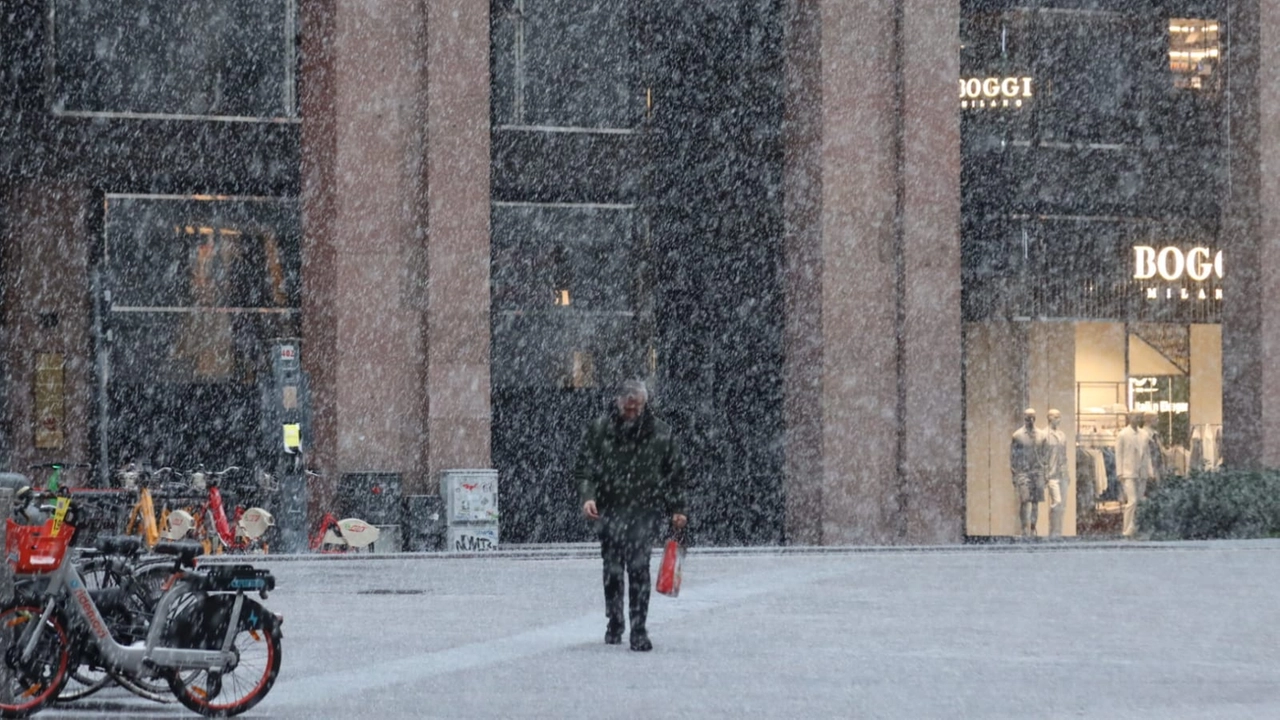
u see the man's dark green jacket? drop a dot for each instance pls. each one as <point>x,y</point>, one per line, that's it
<point>630,470</point>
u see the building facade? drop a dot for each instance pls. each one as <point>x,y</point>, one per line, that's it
<point>844,279</point>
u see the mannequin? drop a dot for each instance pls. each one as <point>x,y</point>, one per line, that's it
<point>1133,468</point>
<point>1057,474</point>
<point>1155,445</point>
<point>1026,460</point>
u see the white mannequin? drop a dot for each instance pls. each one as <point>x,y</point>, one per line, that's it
<point>1133,468</point>
<point>1155,445</point>
<point>1026,461</point>
<point>1057,473</point>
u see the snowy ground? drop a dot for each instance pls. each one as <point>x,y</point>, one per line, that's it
<point>1042,631</point>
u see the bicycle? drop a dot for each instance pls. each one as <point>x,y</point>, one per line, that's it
<point>134,584</point>
<point>201,635</point>
<point>113,566</point>
<point>54,483</point>
<point>212,529</point>
<point>141,519</point>
<point>332,535</point>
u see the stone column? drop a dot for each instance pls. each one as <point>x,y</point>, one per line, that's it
<point>396,249</point>
<point>1250,228</point>
<point>47,309</point>
<point>930,368</point>
<point>872,182</point>
<point>457,193</point>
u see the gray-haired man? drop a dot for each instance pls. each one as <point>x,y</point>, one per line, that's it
<point>631,479</point>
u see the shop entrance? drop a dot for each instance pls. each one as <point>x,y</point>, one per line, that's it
<point>1094,374</point>
<point>191,290</point>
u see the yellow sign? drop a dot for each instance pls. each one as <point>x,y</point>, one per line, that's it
<point>292,436</point>
<point>59,514</point>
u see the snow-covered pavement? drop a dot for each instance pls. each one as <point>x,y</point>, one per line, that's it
<point>1039,631</point>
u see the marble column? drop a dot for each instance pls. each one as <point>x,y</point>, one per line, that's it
<point>872,182</point>
<point>1250,229</point>
<point>396,235</point>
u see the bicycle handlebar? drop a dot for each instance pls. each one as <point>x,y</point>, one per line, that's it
<point>58,466</point>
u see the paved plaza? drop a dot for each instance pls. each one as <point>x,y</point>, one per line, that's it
<point>1068,630</point>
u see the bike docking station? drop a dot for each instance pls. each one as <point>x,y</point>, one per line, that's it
<point>286,420</point>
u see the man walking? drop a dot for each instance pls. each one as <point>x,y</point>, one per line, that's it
<point>631,479</point>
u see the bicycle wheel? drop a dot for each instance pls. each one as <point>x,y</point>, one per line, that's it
<point>83,682</point>
<point>256,645</point>
<point>27,686</point>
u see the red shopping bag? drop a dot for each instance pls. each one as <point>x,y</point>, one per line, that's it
<point>669,571</point>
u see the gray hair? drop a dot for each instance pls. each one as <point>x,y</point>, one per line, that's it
<point>634,388</point>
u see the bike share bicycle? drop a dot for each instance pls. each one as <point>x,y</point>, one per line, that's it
<point>218,650</point>
<point>209,524</point>
<point>31,508</point>
<point>136,580</point>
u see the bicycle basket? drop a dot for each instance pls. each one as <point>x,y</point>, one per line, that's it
<point>34,548</point>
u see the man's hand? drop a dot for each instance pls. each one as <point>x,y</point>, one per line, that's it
<point>679,520</point>
<point>589,509</point>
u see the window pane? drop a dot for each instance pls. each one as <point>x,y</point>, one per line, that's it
<point>565,63</point>
<point>563,282</point>
<point>216,57</point>
<point>180,252</point>
<point>577,258</point>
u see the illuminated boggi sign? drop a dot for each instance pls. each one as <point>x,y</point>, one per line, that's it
<point>1173,264</point>
<point>994,92</point>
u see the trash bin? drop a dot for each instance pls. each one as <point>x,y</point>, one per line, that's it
<point>389,540</point>
<point>373,497</point>
<point>425,524</point>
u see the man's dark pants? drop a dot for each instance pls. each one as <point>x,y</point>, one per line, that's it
<point>625,544</point>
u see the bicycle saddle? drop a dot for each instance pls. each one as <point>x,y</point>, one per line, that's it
<point>127,545</point>
<point>186,551</point>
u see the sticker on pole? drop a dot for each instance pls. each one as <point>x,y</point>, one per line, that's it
<point>292,437</point>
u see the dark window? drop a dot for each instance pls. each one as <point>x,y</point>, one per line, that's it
<point>196,286</point>
<point>563,282</point>
<point>1107,154</point>
<point>565,63</point>
<point>215,58</point>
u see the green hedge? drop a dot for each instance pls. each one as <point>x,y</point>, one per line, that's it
<point>1225,504</point>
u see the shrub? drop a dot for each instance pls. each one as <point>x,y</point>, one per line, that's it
<point>1224,504</point>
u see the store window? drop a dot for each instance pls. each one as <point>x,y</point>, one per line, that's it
<point>1096,375</point>
<point>1194,53</point>
<point>218,59</point>
<point>565,63</point>
<point>1093,274</point>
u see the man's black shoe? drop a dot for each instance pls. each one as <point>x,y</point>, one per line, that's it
<point>613,633</point>
<point>640,642</point>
